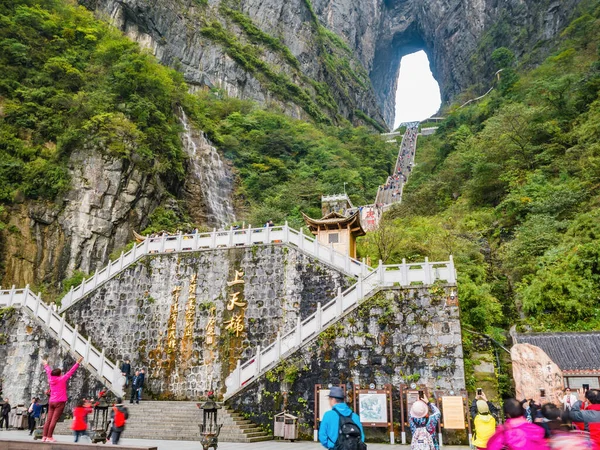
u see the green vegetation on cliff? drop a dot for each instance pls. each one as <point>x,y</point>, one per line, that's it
<point>510,186</point>
<point>69,82</point>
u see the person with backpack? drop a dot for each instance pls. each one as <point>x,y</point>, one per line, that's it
<point>517,433</point>
<point>80,424</point>
<point>119,416</point>
<point>58,397</point>
<point>341,428</point>
<point>423,420</point>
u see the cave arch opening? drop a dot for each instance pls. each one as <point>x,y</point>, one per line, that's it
<point>418,94</point>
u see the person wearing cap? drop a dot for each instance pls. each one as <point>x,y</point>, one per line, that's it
<point>424,414</point>
<point>329,428</point>
<point>484,422</point>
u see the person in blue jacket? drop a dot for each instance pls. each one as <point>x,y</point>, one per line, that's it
<point>329,428</point>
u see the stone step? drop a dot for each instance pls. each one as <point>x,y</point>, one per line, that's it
<point>173,420</point>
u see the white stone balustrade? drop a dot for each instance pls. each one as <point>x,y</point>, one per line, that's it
<point>95,361</point>
<point>385,276</point>
<point>217,239</point>
<point>369,282</point>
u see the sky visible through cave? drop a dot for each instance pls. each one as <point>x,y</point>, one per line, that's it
<point>418,95</point>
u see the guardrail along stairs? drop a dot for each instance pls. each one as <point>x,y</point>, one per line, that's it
<point>218,239</point>
<point>305,330</point>
<point>94,360</point>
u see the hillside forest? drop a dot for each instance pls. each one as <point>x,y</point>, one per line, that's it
<point>508,185</point>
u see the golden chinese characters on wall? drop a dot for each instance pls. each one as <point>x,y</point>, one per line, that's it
<point>237,305</point>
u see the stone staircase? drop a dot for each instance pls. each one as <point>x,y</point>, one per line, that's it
<point>178,421</point>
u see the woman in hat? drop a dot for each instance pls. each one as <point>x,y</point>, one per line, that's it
<point>423,421</point>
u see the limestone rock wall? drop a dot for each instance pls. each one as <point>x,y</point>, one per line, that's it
<point>397,337</point>
<point>169,313</point>
<point>23,346</point>
<point>459,37</point>
<point>108,197</point>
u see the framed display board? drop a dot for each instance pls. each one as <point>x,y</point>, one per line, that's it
<point>322,405</point>
<point>453,412</point>
<point>374,407</point>
<point>454,406</point>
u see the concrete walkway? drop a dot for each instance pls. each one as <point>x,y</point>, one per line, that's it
<point>187,445</point>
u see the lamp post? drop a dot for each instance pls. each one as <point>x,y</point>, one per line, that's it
<point>209,430</point>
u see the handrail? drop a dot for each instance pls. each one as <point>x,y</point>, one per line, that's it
<point>231,238</point>
<point>404,275</point>
<point>95,360</point>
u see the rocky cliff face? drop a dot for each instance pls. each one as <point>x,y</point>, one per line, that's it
<point>459,37</point>
<point>107,199</point>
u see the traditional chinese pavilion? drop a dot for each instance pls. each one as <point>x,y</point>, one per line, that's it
<point>337,230</point>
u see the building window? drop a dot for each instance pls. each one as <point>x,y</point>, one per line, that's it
<point>334,238</point>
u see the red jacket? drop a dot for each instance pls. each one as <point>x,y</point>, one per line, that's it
<point>591,415</point>
<point>79,418</point>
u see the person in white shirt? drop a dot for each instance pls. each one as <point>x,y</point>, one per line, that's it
<point>568,400</point>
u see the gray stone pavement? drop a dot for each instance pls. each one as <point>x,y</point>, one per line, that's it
<point>187,445</point>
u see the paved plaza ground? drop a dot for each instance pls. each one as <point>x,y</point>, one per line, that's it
<point>186,445</point>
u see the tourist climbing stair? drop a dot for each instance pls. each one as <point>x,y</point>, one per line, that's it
<point>391,192</point>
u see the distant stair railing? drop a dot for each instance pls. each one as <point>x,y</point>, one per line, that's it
<point>305,330</point>
<point>94,360</point>
<point>217,239</point>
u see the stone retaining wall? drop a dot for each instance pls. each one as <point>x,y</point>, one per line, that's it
<point>163,312</point>
<point>399,336</point>
<point>23,346</point>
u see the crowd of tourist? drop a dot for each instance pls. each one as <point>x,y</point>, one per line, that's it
<point>42,416</point>
<point>528,425</point>
<point>391,191</point>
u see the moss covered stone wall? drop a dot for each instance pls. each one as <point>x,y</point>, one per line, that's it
<point>170,315</point>
<point>399,336</point>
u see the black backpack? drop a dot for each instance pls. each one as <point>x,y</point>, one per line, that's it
<point>349,436</point>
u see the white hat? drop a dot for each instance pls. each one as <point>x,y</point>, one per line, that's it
<point>419,409</point>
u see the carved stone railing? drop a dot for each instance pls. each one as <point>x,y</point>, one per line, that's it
<point>94,360</point>
<point>404,275</point>
<point>217,239</point>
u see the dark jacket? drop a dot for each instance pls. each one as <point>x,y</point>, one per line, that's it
<point>141,380</point>
<point>126,369</point>
<point>135,381</point>
<point>122,409</point>
<point>6,409</point>
<point>589,417</point>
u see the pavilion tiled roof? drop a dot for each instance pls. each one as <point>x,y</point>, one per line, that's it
<point>574,353</point>
<point>334,219</point>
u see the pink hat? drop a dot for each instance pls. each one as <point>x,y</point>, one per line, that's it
<point>419,409</point>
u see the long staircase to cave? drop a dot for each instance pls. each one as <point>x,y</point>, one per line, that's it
<point>391,193</point>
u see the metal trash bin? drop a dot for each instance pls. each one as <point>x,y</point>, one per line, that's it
<point>285,426</point>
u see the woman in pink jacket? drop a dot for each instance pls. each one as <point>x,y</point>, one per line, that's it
<point>58,397</point>
<point>517,433</point>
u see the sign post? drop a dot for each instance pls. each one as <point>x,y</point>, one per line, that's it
<point>374,406</point>
<point>454,410</point>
